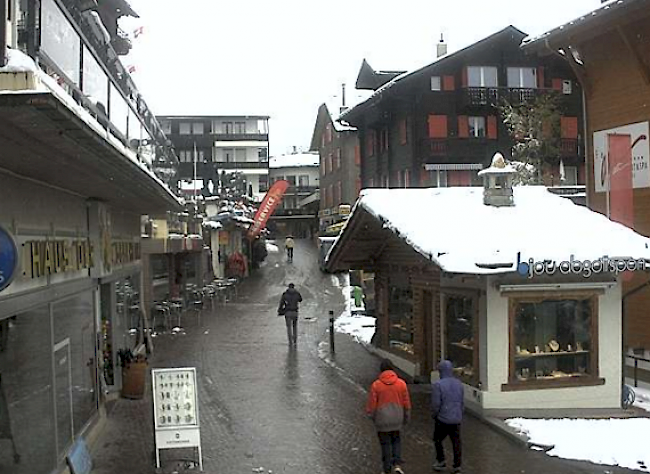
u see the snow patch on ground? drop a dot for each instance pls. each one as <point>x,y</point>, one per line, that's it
<point>272,248</point>
<point>359,326</point>
<point>642,399</point>
<point>615,442</point>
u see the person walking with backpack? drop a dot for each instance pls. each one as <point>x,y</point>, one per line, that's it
<point>288,244</point>
<point>389,406</point>
<point>447,405</point>
<point>288,308</point>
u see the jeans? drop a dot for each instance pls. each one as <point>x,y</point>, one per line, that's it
<point>290,253</point>
<point>441,431</point>
<point>292,328</point>
<point>391,449</point>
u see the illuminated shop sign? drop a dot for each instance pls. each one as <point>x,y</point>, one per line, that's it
<point>8,259</point>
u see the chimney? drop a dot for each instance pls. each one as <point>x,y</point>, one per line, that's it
<point>497,183</point>
<point>441,47</point>
<point>343,107</point>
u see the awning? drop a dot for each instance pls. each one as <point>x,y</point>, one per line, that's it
<point>43,139</point>
<point>452,166</point>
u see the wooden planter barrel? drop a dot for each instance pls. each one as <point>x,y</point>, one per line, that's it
<point>134,376</point>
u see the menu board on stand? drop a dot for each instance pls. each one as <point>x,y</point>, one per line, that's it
<point>176,410</point>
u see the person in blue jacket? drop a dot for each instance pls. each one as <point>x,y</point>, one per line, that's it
<point>447,405</point>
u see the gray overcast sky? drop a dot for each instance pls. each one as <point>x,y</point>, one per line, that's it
<point>283,58</point>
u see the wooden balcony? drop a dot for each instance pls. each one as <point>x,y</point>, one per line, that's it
<point>569,148</point>
<point>494,96</point>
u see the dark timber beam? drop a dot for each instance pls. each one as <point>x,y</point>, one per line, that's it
<point>642,66</point>
<point>3,33</point>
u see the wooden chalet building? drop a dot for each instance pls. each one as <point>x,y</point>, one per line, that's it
<point>340,182</point>
<point>439,125</point>
<point>531,322</point>
<point>609,50</point>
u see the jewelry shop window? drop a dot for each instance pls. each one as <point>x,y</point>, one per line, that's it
<point>553,339</point>
<point>461,335</point>
<point>400,314</point>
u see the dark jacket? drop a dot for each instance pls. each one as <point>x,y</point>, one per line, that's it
<point>389,404</point>
<point>447,396</point>
<point>289,302</point>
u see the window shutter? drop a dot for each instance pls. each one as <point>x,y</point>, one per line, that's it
<point>557,84</point>
<point>437,126</point>
<point>448,83</point>
<point>569,127</point>
<point>540,77</point>
<point>463,126</point>
<point>357,154</point>
<point>492,127</point>
<point>402,131</point>
<point>358,185</point>
<point>464,78</point>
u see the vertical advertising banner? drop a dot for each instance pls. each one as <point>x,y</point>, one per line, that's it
<point>269,203</point>
<point>621,197</point>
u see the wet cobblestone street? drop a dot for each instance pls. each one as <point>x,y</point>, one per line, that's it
<point>264,405</point>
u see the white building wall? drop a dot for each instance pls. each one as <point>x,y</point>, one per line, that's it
<point>609,361</point>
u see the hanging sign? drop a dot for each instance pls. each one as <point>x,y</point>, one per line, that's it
<point>8,259</point>
<point>268,205</point>
<point>176,410</point>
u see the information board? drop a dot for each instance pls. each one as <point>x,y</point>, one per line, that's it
<point>176,411</point>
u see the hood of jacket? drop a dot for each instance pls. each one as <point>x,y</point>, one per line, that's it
<point>446,369</point>
<point>389,377</point>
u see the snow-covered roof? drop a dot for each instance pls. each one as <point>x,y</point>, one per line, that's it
<point>540,226</point>
<point>294,160</point>
<point>598,12</point>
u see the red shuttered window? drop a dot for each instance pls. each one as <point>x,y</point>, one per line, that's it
<point>437,126</point>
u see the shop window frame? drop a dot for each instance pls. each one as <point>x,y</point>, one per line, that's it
<point>445,294</point>
<point>592,378</point>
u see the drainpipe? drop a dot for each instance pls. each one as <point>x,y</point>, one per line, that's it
<point>623,299</point>
<point>3,33</point>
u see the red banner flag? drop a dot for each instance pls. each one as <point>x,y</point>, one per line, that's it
<point>621,197</point>
<point>269,203</point>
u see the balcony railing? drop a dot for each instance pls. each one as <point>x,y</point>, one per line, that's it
<point>437,146</point>
<point>494,96</point>
<point>569,148</point>
<point>241,165</point>
<point>255,137</point>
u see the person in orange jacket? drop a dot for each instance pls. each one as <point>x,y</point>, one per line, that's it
<point>389,406</point>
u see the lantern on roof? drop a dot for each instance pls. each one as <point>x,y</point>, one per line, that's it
<point>497,183</point>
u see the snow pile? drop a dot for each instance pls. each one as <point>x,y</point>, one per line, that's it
<point>359,326</point>
<point>18,62</point>
<point>615,442</point>
<point>295,160</point>
<point>272,248</point>
<point>642,399</point>
<point>530,228</point>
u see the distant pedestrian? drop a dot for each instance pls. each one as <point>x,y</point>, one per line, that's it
<point>288,308</point>
<point>389,406</point>
<point>447,405</point>
<point>288,244</point>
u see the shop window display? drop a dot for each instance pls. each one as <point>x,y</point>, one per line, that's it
<point>460,317</point>
<point>553,339</point>
<point>400,312</point>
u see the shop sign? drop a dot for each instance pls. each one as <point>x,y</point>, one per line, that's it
<point>586,268</point>
<point>8,259</point>
<point>344,210</point>
<point>56,256</point>
<point>637,138</point>
<point>125,252</point>
<point>224,238</point>
<point>176,411</point>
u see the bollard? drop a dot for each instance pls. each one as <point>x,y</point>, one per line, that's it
<point>332,332</point>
